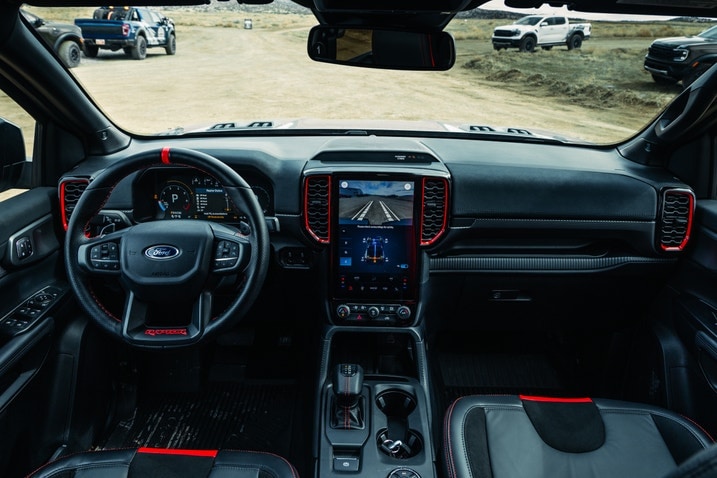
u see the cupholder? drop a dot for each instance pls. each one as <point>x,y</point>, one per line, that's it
<point>397,440</point>
<point>396,403</point>
<point>401,448</point>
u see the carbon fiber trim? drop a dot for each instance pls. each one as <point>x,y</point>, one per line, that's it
<point>530,264</point>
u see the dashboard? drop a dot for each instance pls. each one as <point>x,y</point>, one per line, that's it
<point>388,222</point>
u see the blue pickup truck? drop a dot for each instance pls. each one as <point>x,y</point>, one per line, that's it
<point>132,29</point>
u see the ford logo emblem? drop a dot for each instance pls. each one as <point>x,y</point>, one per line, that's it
<point>162,252</point>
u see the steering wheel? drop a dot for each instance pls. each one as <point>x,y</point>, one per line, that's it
<point>172,267</point>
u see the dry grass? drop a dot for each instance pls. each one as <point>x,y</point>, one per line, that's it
<point>593,77</point>
<point>187,17</point>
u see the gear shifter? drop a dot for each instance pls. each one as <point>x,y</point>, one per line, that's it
<point>347,407</point>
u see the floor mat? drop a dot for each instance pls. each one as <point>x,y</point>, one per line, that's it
<point>255,416</point>
<point>467,374</point>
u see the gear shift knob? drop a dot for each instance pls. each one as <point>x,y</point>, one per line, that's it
<point>347,382</point>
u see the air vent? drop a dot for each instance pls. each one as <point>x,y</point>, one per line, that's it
<point>231,125</point>
<point>481,128</point>
<point>223,126</point>
<point>434,213</point>
<point>518,131</point>
<point>70,192</point>
<point>317,192</point>
<point>678,206</point>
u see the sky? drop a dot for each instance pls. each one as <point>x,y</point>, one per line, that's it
<point>500,5</point>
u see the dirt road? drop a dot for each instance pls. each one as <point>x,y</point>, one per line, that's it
<point>264,74</point>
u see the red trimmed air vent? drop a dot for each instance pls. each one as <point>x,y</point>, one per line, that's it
<point>317,207</point>
<point>675,222</point>
<point>434,209</point>
<point>70,192</point>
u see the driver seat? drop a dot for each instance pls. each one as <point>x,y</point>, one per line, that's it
<point>168,463</point>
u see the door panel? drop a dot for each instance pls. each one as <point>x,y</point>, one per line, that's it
<point>691,313</point>
<point>32,286</point>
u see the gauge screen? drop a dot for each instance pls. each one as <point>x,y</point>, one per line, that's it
<point>197,197</point>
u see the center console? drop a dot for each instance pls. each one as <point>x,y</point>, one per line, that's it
<point>374,416</point>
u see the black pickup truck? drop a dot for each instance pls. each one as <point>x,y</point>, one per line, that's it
<point>675,59</point>
<point>64,38</point>
<point>132,29</point>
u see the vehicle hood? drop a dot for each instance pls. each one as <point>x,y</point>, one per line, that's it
<point>68,27</point>
<point>512,26</point>
<point>682,41</point>
<point>361,127</point>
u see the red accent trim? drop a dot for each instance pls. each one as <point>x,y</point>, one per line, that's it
<point>691,197</point>
<point>62,206</point>
<point>328,209</point>
<point>172,451</point>
<point>423,207</point>
<point>165,155</point>
<point>63,212</point>
<point>156,332</point>
<point>531,398</point>
<point>430,50</point>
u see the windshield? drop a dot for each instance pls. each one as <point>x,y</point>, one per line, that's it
<point>710,33</point>
<point>528,21</point>
<point>248,65</point>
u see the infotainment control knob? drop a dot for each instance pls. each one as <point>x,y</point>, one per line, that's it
<point>373,312</point>
<point>403,313</point>
<point>343,311</point>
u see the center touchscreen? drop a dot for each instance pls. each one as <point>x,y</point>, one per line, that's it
<point>375,255</point>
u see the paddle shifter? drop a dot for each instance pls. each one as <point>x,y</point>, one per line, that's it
<point>347,406</point>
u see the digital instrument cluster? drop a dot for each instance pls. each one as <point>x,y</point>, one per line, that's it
<point>190,194</point>
<point>195,197</point>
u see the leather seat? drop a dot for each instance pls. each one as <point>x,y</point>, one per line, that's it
<point>168,463</point>
<point>521,436</point>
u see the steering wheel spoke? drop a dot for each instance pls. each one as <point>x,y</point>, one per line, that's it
<point>231,250</point>
<point>101,256</point>
<point>145,324</point>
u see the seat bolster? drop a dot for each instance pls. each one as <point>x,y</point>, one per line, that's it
<point>700,465</point>
<point>107,464</point>
<point>464,422</point>
<point>682,436</point>
<point>237,463</point>
<point>171,462</point>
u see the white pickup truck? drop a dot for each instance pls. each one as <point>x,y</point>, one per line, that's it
<point>545,31</point>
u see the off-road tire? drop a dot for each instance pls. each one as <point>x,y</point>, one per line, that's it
<point>91,51</point>
<point>694,74</point>
<point>171,47</point>
<point>70,53</point>
<point>528,44</point>
<point>575,41</point>
<point>139,52</point>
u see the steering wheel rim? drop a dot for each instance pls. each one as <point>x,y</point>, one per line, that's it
<point>251,267</point>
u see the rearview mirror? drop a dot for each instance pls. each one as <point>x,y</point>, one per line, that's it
<point>382,48</point>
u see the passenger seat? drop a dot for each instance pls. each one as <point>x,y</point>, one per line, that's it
<point>516,436</point>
